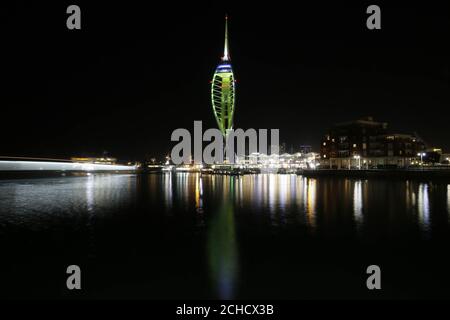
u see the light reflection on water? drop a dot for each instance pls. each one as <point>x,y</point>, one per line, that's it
<point>358,203</point>
<point>423,206</point>
<point>448,200</point>
<point>280,199</point>
<point>222,206</point>
<point>221,244</point>
<point>311,203</point>
<point>168,191</point>
<point>35,200</point>
<point>295,200</point>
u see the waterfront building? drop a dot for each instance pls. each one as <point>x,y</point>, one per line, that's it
<point>433,155</point>
<point>305,149</point>
<point>366,143</point>
<point>445,158</point>
<point>273,162</point>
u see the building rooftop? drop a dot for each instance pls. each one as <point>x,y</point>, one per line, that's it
<point>364,121</point>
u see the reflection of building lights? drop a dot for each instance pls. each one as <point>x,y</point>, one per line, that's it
<point>311,202</point>
<point>357,202</point>
<point>448,199</point>
<point>424,206</point>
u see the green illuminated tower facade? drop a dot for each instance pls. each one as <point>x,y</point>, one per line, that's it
<point>223,90</point>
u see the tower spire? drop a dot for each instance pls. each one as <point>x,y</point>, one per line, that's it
<point>226,55</point>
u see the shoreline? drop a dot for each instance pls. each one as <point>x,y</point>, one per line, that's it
<point>405,174</point>
<point>442,175</point>
<point>12,175</point>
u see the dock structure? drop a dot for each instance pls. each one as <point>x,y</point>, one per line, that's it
<point>14,167</point>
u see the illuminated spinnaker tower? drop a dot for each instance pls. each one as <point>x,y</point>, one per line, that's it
<point>223,90</point>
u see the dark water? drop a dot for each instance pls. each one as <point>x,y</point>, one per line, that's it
<point>191,236</point>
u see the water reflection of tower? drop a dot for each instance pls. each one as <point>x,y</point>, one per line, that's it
<point>221,244</point>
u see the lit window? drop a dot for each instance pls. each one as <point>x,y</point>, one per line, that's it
<point>354,145</point>
<point>324,143</point>
<point>324,155</point>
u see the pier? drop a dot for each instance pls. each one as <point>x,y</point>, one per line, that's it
<point>434,174</point>
<point>11,167</point>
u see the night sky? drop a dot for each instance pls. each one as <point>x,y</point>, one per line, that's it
<point>133,74</point>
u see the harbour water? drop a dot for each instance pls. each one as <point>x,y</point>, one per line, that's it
<point>186,235</point>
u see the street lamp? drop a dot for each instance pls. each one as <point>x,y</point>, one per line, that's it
<point>421,154</point>
<point>359,161</point>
